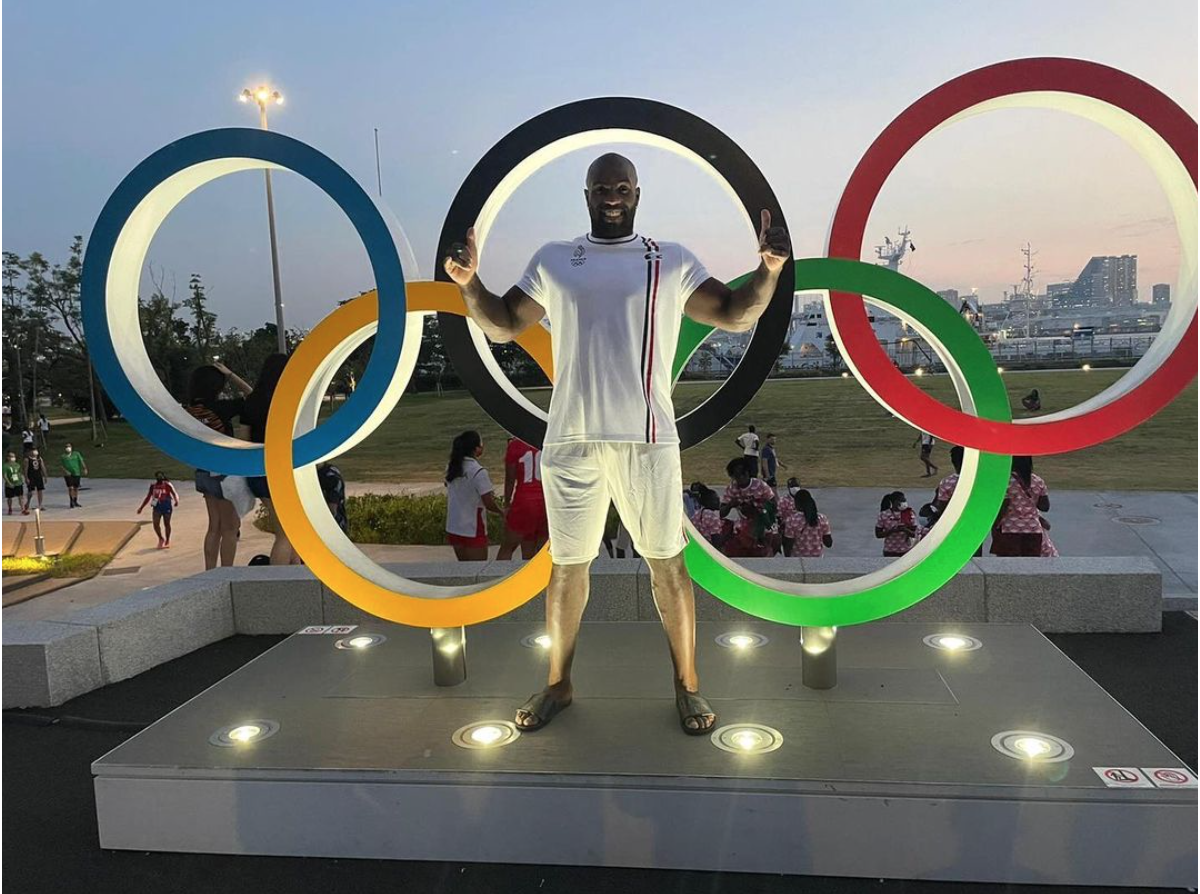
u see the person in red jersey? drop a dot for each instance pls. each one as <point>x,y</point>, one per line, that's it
<point>525,524</point>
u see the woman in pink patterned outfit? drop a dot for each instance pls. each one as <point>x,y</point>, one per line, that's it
<point>894,526</point>
<point>806,531</point>
<point>1020,530</point>
<point>757,533</point>
<point>707,518</point>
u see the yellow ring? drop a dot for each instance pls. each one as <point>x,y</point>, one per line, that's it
<point>438,606</point>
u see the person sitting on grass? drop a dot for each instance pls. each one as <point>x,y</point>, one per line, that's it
<point>165,498</point>
<point>1032,401</point>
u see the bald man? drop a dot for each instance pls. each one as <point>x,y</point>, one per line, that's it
<point>615,300</point>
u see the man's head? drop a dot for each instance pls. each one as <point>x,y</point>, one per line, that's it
<point>751,429</point>
<point>68,449</point>
<point>771,439</point>
<point>956,457</point>
<point>739,471</point>
<point>12,457</point>
<point>160,477</point>
<point>612,194</point>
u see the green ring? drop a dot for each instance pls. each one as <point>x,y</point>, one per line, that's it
<point>960,348</point>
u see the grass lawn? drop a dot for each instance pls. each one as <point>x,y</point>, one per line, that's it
<point>830,432</point>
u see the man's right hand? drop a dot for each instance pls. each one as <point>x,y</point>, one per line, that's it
<point>463,261</point>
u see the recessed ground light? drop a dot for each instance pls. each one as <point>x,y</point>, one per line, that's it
<point>486,734</point>
<point>742,640</point>
<point>747,738</point>
<point>361,641</point>
<point>244,733</point>
<point>1032,746</point>
<point>953,642</point>
<point>536,641</point>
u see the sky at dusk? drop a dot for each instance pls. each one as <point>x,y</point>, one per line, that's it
<point>91,88</point>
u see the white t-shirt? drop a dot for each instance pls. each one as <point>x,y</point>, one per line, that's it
<point>615,308</point>
<point>464,503</point>
<point>749,442</point>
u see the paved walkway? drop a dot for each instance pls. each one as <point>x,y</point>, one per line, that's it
<point>1159,525</point>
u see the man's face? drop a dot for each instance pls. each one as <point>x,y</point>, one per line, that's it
<point>612,197</point>
<point>741,477</point>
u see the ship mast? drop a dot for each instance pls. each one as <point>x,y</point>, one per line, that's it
<point>890,254</point>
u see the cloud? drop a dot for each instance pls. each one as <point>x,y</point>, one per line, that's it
<point>1144,227</point>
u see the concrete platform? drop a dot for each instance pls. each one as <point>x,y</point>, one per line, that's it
<point>890,775</point>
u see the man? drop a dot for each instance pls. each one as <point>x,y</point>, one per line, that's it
<point>44,430</point>
<point>525,524</point>
<point>74,468</point>
<point>614,299</point>
<point>771,463</point>
<point>926,440</point>
<point>748,441</point>
<point>14,484</point>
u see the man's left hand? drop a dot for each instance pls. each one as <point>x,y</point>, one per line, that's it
<point>774,246</point>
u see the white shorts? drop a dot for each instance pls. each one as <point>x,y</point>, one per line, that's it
<point>643,480</point>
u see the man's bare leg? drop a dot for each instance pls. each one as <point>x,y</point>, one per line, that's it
<point>676,603</point>
<point>566,598</point>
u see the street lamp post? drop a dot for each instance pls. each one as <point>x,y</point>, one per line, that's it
<point>263,96</point>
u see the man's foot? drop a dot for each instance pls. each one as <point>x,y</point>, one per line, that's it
<point>542,708</point>
<point>696,715</point>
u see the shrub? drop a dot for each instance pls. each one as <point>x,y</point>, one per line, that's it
<point>396,518</point>
<point>76,565</point>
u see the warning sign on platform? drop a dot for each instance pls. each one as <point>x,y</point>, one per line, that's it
<point>1123,777</point>
<point>335,630</point>
<point>1171,777</point>
<point>307,631</point>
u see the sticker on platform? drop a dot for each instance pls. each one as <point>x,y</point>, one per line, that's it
<point>1171,777</point>
<point>1123,777</point>
<point>342,630</point>
<point>316,629</point>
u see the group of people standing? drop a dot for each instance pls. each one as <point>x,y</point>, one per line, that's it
<point>26,478</point>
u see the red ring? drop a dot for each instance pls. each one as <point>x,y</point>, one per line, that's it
<point>871,362</point>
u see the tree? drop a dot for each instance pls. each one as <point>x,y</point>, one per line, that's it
<point>166,336</point>
<point>204,322</point>
<point>832,349</point>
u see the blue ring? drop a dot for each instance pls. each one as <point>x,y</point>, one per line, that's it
<point>323,172</point>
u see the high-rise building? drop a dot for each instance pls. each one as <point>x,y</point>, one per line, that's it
<point>1107,281</point>
<point>1057,292</point>
<point>1161,293</point>
<point>950,295</point>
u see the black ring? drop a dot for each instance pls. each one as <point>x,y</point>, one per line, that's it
<point>651,117</point>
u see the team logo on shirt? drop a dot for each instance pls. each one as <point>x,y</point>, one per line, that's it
<point>578,260</point>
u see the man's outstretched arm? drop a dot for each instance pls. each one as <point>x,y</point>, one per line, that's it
<point>502,319</point>
<point>737,310</point>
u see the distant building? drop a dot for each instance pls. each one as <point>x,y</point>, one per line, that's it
<point>950,295</point>
<point>1058,292</point>
<point>1106,281</point>
<point>1161,293</point>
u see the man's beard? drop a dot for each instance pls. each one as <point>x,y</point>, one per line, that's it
<point>604,228</point>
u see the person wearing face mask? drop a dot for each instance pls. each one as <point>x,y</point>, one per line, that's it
<point>165,498</point>
<point>35,477</point>
<point>896,524</point>
<point>14,484</point>
<point>74,467</point>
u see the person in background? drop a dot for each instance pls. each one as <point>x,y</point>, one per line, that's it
<point>1020,531</point>
<point>35,477</point>
<point>749,444</point>
<point>204,403</point>
<point>929,514</point>
<point>896,524</point>
<point>164,498</point>
<point>28,440</point>
<point>44,430</point>
<point>756,533</point>
<point>14,484</point>
<point>806,531</point>
<point>926,440</point>
<point>469,492</point>
<point>1032,401</point>
<point>333,487</point>
<point>706,518</point>
<point>771,461</point>
<point>74,468</point>
<point>254,415</point>
<point>526,522</point>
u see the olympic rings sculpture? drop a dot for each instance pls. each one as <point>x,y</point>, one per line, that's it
<point>1158,128</point>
